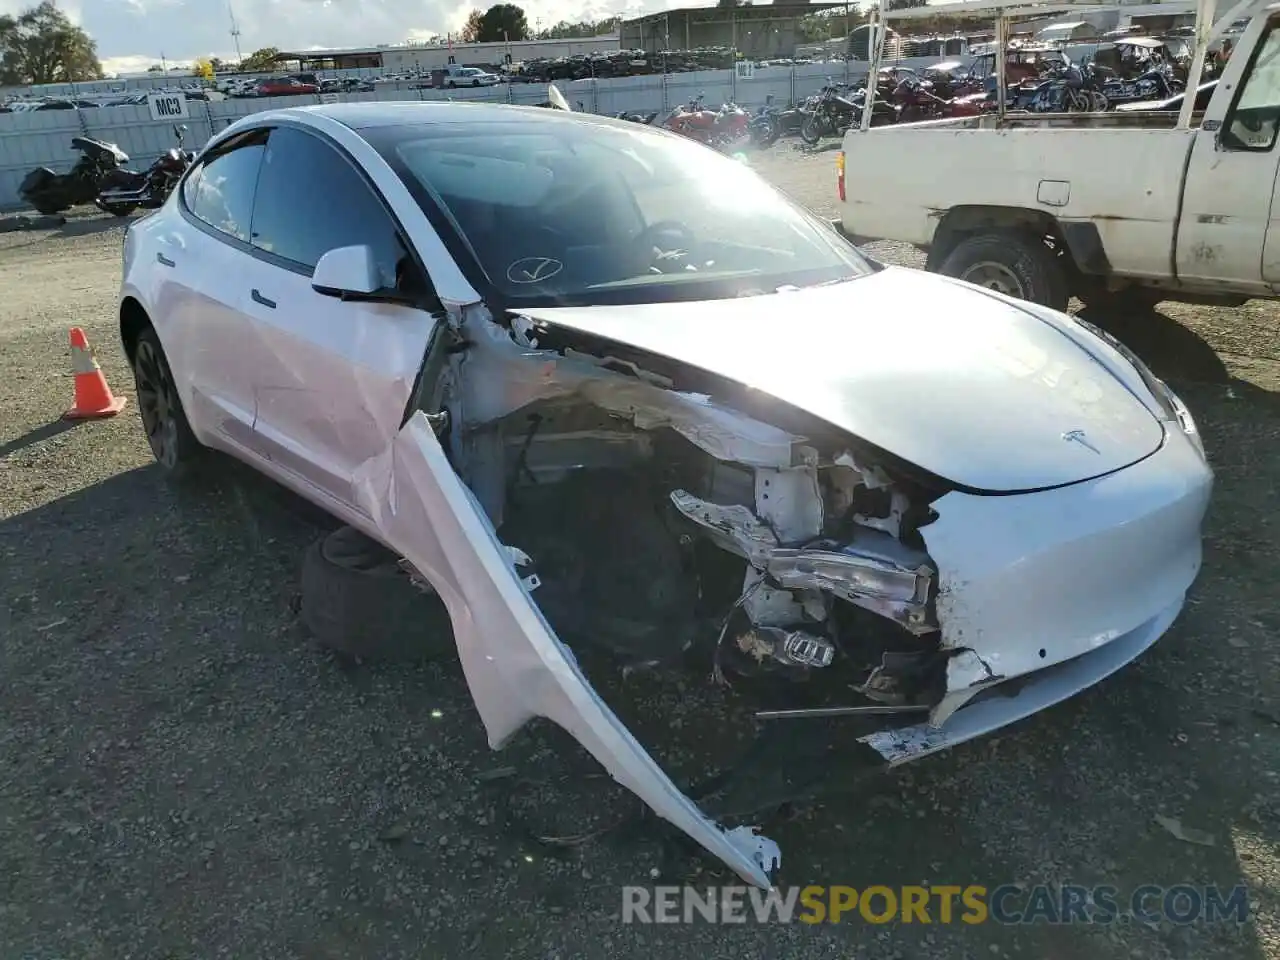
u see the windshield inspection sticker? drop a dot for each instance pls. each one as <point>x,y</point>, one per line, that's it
<point>533,270</point>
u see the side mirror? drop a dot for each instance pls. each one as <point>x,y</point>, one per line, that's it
<point>347,273</point>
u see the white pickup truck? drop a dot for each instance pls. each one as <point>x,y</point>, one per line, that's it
<point>1123,206</point>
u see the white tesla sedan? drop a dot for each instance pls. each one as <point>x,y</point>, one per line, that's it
<point>484,335</point>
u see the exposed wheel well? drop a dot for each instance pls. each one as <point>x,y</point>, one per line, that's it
<point>133,320</point>
<point>961,222</point>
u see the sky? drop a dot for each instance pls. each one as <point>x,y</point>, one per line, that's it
<point>132,34</point>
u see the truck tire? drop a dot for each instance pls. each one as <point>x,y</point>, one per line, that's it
<point>357,601</point>
<point>1016,264</point>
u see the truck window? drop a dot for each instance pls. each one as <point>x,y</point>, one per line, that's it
<point>1254,119</point>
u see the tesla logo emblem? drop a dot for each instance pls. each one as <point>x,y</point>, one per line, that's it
<point>1077,436</point>
<point>533,270</point>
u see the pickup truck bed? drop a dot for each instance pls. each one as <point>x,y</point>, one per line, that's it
<point>1120,181</point>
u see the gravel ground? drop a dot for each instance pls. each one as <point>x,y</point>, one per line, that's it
<point>182,774</point>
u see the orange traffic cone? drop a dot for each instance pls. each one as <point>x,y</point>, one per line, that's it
<point>93,396</point>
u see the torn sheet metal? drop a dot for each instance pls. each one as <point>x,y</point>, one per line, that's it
<point>1040,691</point>
<point>503,377</point>
<point>874,571</point>
<point>515,666</point>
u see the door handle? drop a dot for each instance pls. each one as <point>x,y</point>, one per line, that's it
<point>259,298</point>
<point>164,261</point>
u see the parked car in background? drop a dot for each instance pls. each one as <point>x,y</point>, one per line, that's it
<point>471,77</point>
<point>287,87</point>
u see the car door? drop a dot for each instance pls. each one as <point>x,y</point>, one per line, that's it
<point>333,377</point>
<point>1228,232</point>
<point>204,328</point>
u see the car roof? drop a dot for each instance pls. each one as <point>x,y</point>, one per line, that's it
<point>364,116</point>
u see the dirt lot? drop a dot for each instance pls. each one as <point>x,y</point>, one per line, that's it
<point>182,774</point>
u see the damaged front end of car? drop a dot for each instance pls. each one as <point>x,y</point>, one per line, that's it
<point>558,491</point>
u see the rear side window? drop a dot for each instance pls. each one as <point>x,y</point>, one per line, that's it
<point>311,200</point>
<point>221,191</point>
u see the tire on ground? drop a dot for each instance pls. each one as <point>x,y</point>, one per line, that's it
<point>358,601</point>
<point>1036,268</point>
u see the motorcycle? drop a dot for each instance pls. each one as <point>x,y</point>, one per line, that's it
<point>123,191</point>
<point>1069,90</point>
<point>1157,83</point>
<point>52,193</point>
<point>634,117</point>
<point>834,114</point>
<point>766,126</point>
<point>917,101</point>
<point>791,119</point>
<point>716,128</point>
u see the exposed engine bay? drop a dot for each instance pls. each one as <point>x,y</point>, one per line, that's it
<point>666,528</point>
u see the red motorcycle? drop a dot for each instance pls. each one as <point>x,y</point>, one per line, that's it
<point>716,128</point>
<point>919,102</point>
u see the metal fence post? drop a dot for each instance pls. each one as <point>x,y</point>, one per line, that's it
<point>208,116</point>
<point>595,95</point>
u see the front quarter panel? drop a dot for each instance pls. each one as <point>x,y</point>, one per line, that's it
<point>515,665</point>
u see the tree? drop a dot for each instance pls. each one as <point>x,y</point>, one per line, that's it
<point>260,60</point>
<point>155,68</point>
<point>202,67</point>
<point>564,30</point>
<point>471,29</point>
<point>41,45</point>
<point>502,21</point>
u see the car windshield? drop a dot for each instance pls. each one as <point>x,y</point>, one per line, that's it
<point>570,211</point>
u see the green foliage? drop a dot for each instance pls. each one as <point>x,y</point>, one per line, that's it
<point>42,45</point>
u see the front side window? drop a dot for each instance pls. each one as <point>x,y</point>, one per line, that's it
<point>1255,117</point>
<point>221,192</point>
<point>577,211</point>
<point>312,200</point>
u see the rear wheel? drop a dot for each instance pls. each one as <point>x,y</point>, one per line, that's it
<point>1015,264</point>
<point>810,130</point>
<point>172,441</point>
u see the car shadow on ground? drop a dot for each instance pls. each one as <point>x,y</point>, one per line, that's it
<point>1171,350</point>
<point>89,225</point>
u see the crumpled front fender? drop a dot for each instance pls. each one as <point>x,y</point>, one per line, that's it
<point>515,665</point>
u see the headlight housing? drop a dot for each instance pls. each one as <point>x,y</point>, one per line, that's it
<point>1174,409</point>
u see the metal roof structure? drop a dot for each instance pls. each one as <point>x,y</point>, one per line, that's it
<point>761,11</point>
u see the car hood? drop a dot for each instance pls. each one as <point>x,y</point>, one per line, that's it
<point>965,385</point>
